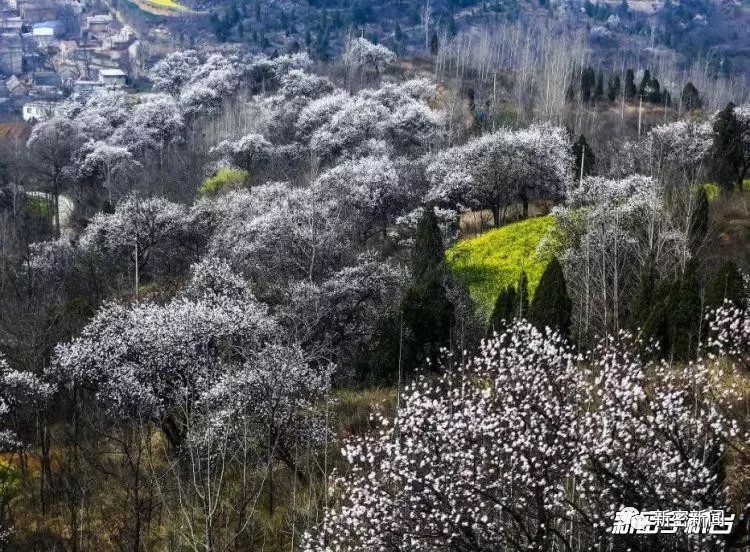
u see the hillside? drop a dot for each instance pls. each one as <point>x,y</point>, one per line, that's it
<point>228,323</point>
<point>650,32</point>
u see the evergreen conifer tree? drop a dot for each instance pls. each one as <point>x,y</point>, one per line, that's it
<point>422,325</point>
<point>428,315</point>
<point>428,253</point>
<point>730,161</point>
<point>523,295</point>
<point>644,86</point>
<point>588,79</point>
<point>728,284</point>
<point>599,92</point>
<point>582,154</point>
<point>613,89</point>
<point>699,218</point>
<point>654,91</point>
<point>644,300</point>
<point>648,310</point>
<point>434,44</point>
<point>684,315</point>
<point>505,309</point>
<point>551,305</point>
<point>690,97</point>
<point>630,89</point>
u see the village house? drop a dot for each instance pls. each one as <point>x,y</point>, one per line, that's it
<point>11,24</point>
<point>36,111</point>
<point>84,85</point>
<point>47,84</point>
<point>47,31</point>
<point>98,25</point>
<point>16,86</point>
<point>112,78</point>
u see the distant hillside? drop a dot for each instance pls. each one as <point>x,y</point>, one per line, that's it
<point>687,30</point>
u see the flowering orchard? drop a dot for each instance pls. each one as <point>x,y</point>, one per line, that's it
<point>530,445</point>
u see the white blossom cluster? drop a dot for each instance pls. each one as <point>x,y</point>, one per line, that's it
<point>605,233</point>
<point>682,146</point>
<point>530,443</point>
<point>363,53</point>
<point>498,168</point>
<point>730,332</point>
<point>332,124</point>
<point>20,393</point>
<point>209,356</point>
<point>109,136</point>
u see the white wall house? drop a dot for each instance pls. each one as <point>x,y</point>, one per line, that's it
<point>47,30</point>
<point>115,78</point>
<point>42,111</point>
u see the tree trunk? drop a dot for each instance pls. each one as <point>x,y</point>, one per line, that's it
<point>524,196</point>
<point>57,207</point>
<point>269,469</point>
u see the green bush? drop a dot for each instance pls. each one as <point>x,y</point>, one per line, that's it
<point>225,180</point>
<point>712,189</point>
<point>10,484</point>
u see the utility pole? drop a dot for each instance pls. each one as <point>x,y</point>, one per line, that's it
<point>583,160</point>
<point>136,268</point>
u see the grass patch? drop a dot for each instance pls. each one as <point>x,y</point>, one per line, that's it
<point>225,180</point>
<point>353,408</point>
<point>493,260</point>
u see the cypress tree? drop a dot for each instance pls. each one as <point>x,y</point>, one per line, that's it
<point>423,323</point>
<point>644,86</point>
<point>648,310</point>
<point>654,91</point>
<point>505,309</point>
<point>656,324</point>
<point>613,89</point>
<point>523,295</point>
<point>599,92</point>
<point>427,312</point>
<point>644,299</point>
<point>684,314</point>
<point>434,44</point>
<point>428,252</point>
<point>728,149</point>
<point>588,79</point>
<point>630,89</point>
<point>582,153</point>
<point>690,97</point>
<point>551,305</point>
<point>699,218</point>
<point>728,284</point>
<point>428,315</point>
<point>391,343</point>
